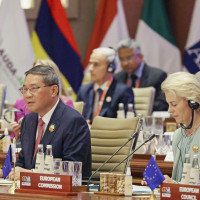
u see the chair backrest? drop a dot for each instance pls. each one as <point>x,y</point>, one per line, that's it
<point>144,100</point>
<point>2,97</point>
<point>107,136</point>
<point>79,106</point>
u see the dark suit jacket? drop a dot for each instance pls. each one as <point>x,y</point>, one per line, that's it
<point>70,140</point>
<point>150,77</point>
<point>119,93</point>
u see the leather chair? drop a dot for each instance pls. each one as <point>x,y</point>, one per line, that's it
<point>144,100</point>
<point>107,136</point>
<point>79,106</point>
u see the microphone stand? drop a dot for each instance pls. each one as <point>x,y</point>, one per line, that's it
<point>135,134</point>
<point>150,138</point>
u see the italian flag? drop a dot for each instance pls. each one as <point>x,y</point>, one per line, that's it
<point>155,37</point>
<point>110,27</point>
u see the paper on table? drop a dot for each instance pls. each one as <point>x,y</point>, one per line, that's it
<point>141,189</point>
<point>6,181</point>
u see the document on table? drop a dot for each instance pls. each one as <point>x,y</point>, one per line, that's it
<point>6,181</point>
<point>137,189</point>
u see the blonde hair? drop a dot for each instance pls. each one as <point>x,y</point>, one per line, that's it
<point>182,84</point>
<point>50,63</point>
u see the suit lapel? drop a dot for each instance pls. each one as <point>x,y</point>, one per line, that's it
<point>108,98</point>
<point>90,103</point>
<point>30,141</point>
<point>124,76</point>
<point>53,125</point>
<point>144,78</point>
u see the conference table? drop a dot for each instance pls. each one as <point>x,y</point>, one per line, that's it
<point>79,196</point>
<point>138,164</point>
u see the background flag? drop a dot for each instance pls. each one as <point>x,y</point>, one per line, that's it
<point>192,49</point>
<point>16,53</point>
<point>53,39</point>
<point>152,174</point>
<point>156,39</point>
<point>110,27</point>
<point>7,164</point>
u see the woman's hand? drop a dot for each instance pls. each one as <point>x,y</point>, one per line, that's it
<point>16,126</point>
<point>168,179</point>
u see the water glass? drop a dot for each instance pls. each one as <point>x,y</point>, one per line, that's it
<point>57,166</point>
<point>68,168</point>
<point>77,176</point>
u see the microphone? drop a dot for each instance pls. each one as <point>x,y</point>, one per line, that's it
<point>8,110</point>
<point>2,136</point>
<point>149,139</point>
<point>134,135</point>
<point>191,123</point>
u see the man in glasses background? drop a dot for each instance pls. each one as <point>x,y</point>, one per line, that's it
<point>61,126</point>
<point>137,74</point>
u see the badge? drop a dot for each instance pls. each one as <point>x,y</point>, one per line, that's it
<point>195,148</point>
<point>108,99</point>
<point>52,127</point>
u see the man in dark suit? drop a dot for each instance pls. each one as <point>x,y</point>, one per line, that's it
<point>103,95</point>
<point>63,127</point>
<point>136,73</point>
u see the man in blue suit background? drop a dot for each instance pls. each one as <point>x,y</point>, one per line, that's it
<point>102,96</point>
<point>63,127</point>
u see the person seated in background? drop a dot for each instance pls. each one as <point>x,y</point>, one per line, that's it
<point>136,73</point>
<point>63,127</point>
<point>21,105</point>
<point>182,91</point>
<point>103,94</point>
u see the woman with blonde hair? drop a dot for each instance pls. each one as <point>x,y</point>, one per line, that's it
<point>182,91</point>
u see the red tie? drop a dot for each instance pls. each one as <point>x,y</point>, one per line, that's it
<point>40,131</point>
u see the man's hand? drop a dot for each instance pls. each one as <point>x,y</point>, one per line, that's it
<point>17,172</point>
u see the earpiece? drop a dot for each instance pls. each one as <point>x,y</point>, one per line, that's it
<point>193,105</point>
<point>111,66</point>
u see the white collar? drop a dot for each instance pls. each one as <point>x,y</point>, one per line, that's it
<point>46,118</point>
<point>103,86</point>
<point>139,71</point>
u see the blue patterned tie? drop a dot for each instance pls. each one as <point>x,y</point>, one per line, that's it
<point>100,91</point>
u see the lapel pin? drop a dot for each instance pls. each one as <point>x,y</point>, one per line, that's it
<point>195,148</point>
<point>108,99</point>
<point>52,127</point>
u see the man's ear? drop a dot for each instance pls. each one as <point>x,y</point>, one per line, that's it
<point>55,90</point>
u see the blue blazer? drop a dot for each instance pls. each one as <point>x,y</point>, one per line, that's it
<point>70,140</point>
<point>150,77</point>
<point>117,93</point>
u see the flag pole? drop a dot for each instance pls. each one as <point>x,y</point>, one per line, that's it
<point>152,196</point>
<point>13,152</point>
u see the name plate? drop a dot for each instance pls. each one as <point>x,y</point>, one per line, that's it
<point>45,184</point>
<point>179,191</point>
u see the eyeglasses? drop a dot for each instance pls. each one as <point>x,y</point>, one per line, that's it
<point>32,90</point>
<point>128,58</point>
